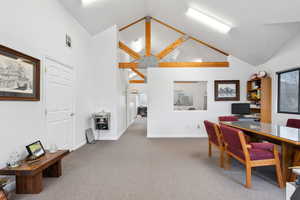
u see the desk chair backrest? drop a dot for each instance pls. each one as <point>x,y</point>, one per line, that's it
<point>293,123</point>
<point>213,132</point>
<point>228,119</point>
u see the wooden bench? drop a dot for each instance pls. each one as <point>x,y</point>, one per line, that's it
<point>29,177</point>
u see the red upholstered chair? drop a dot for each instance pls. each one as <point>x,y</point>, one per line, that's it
<point>293,123</point>
<point>228,119</point>
<point>251,155</point>
<point>214,139</point>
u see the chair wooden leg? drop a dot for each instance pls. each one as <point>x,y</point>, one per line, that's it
<point>248,176</point>
<point>209,149</point>
<point>228,162</point>
<point>221,158</point>
<point>279,172</point>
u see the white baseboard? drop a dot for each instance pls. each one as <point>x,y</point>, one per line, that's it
<point>79,145</point>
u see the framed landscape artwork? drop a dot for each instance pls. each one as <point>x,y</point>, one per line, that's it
<point>227,90</point>
<point>19,76</point>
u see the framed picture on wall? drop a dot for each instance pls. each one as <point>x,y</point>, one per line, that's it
<point>227,90</point>
<point>19,76</point>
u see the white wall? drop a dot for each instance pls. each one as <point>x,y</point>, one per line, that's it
<point>163,121</point>
<point>38,28</point>
<point>286,58</point>
<point>109,83</point>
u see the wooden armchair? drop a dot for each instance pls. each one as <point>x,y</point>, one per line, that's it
<point>214,139</point>
<point>251,155</point>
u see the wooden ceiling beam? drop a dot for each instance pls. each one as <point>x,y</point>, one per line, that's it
<point>129,51</point>
<point>148,36</point>
<point>124,65</point>
<point>168,26</point>
<point>193,38</point>
<point>171,47</point>
<point>136,81</point>
<point>138,73</point>
<point>133,23</point>
<point>209,46</point>
<point>193,64</point>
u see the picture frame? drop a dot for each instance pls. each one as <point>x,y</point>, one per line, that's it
<point>227,90</point>
<point>36,149</point>
<point>19,76</point>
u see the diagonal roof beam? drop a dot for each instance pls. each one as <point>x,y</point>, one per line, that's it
<point>138,72</point>
<point>193,38</point>
<point>172,47</point>
<point>133,23</point>
<point>129,51</point>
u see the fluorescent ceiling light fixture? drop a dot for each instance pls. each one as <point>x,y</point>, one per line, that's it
<point>88,2</point>
<point>209,21</point>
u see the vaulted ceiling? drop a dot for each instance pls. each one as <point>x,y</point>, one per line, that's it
<point>261,28</point>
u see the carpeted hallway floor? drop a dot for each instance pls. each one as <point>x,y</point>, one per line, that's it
<point>137,168</point>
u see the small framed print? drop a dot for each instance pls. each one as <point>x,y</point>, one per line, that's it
<point>227,90</point>
<point>36,149</point>
<point>19,76</point>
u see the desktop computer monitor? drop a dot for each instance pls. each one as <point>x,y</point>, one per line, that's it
<point>240,108</point>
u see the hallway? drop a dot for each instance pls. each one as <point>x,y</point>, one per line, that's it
<point>137,168</point>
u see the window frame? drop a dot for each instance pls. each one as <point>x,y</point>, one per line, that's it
<point>279,94</point>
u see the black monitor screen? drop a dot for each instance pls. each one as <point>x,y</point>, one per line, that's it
<point>240,108</point>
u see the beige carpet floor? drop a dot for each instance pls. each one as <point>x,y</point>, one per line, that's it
<point>137,168</point>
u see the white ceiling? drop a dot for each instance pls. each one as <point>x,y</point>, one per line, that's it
<point>261,28</point>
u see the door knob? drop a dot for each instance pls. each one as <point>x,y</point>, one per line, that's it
<point>72,114</point>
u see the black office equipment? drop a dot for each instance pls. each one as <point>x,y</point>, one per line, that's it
<point>240,108</point>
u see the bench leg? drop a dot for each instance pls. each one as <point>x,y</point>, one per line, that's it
<point>53,170</point>
<point>29,184</point>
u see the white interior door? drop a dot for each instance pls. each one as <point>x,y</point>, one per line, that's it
<point>59,94</point>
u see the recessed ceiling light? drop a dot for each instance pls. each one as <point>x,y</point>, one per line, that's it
<point>87,2</point>
<point>209,21</point>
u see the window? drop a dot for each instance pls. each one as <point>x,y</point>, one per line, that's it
<point>190,95</point>
<point>288,91</point>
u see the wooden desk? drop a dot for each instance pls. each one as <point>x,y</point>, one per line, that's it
<point>29,177</point>
<point>288,138</point>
